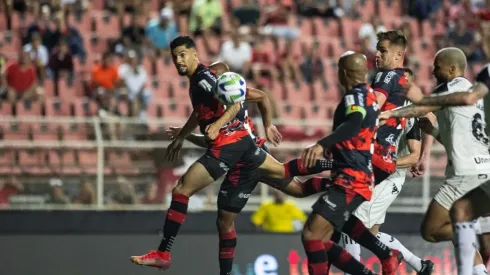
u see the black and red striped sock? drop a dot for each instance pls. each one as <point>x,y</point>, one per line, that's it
<point>176,214</point>
<point>344,261</point>
<point>359,233</point>
<point>296,168</point>
<point>315,185</point>
<point>227,244</point>
<point>317,257</point>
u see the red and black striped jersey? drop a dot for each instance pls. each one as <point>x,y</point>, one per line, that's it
<point>209,109</point>
<point>353,156</point>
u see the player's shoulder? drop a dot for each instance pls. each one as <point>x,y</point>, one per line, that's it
<point>458,84</point>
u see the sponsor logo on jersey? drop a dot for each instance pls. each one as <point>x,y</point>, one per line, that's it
<point>349,100</point>
<point>332,205</point>
<point>389,76</point>
<point>243,196</point>
<point>482,160</point>
<point>391,139</point>
<point>378,77</point>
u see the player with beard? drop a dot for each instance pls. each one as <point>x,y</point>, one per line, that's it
<point>372,213</point>
<point>462,143</point>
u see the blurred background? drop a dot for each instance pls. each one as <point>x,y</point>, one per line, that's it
<point>88,89</point>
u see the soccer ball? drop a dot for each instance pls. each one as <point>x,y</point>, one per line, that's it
<point>230,88</point>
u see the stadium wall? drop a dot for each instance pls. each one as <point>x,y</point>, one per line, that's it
<point>256,254</point>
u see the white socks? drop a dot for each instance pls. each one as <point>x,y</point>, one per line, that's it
<point>480,270</point>
<point>465,246</point>
<point>352,247</point>
<point>412,260</point>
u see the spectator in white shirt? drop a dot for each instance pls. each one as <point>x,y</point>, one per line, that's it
<point>370,29</point>
<point>236,53</point>
<point>135,90</point>
<point>39,54</point>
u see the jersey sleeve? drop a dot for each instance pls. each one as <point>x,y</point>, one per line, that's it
<point>207,81</point>
<point>414,133</point>
<point>355,102</point>
<point>383,82</point>
<point>484,76</point>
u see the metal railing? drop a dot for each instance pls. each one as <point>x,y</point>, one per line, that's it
<point>416,202</point>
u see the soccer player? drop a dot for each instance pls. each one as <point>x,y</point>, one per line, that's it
<point>351,144</point>
<point>372,213</point>
<point>460,131</point>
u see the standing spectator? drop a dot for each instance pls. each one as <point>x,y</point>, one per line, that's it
<point>57,195</point>
<point>278,216</point>
<point>71,35</point>
<point>248,14</point>
<point>21,80</point>
<point>205,19</point>
<point>39,55</point>
<point>86,195</point>
<point>236,53</point>
<point>134,85</point>
<point>105,80</point>
<point>464,39</point>
<point>288,63</point>
<point>161,31</point>
<point>370,29</point>
<point>277,22</point>
<point>61,62</point>
<point>312,66</point>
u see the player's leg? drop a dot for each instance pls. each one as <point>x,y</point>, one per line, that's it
<point>484,248</point>
<point>473,205</point>
<point>297,187</point>
<point>296,168</point>
<point>233,196</point>
<point>319,228</point>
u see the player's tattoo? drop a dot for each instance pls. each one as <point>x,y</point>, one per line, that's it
<point>446,100</point>
<point>409,111</point>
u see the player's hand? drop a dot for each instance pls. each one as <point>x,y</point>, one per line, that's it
<point>212,131</point>
<point>419,168</point>
<point>273,135</point>
<point>173,132</point>
<point>311,154</point>
<point>383,117</point>
<point>173,149</point>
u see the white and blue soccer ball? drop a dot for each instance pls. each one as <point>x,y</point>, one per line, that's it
<point>230,88</point>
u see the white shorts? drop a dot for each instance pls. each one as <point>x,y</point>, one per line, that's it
<point>374,211</point>
<point>457,186</point>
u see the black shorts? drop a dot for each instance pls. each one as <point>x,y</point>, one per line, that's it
<point>379,175</point>
<point>337,204</point>
<point>239,183</point>
<point>485,187</point>
<point>218,160</point>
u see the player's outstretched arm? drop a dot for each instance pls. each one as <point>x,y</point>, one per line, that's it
<point>196,139</point>
<point>458,98</point>
<point>264,105</point>
<point>407,161</point>
<point>212,130</point>
<point>189,126</point>
<point>219,67</point>
<point>409,111</point>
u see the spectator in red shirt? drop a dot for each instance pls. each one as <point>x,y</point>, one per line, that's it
<point>277,22</point>
<point>9,188</point>
<point>262,63</point>
<point>22,80</point>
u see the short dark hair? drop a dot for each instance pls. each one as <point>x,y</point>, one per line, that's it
<point>183,40</point>
<point>410,72</point>
<point>395,37</point>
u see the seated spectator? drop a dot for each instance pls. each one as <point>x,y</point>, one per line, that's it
<point>321,8</point>
<point>371,57</point>
<point>61,62</point>
<point>277,22</point>
<point>71,35</point>
<point>236,53</point>
<point>248,14</point>
<point>3,80</point>
<point>262,63</point>
<point>124,193</point>
<point>312,66</point>
<point>278,216</point>
<point>130,6</point>
<point>57,195</point>
<point>22,80</point>
<point>151,195</point>
<point>288,63</point>
<point>134,31</point>
<point>463,9</point>
<point>105,80</point>
<point>134,85</point>
<point>161,31</point>
<point>464,39</point>
<point>8,188</point>
<point>370,29</point>
<point>39,55</point>
<point>86,195</point>
<point>182,7</point>
<point>42,26</point>
<point>205,19</point>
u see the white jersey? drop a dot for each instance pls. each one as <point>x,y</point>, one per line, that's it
<point>411,131</point>
<point>462,132</point>
<point>484,78</point>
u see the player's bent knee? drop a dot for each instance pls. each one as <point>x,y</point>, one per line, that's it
<point>461,211</point>
<point>427,233</point>
<point>225,221</point>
